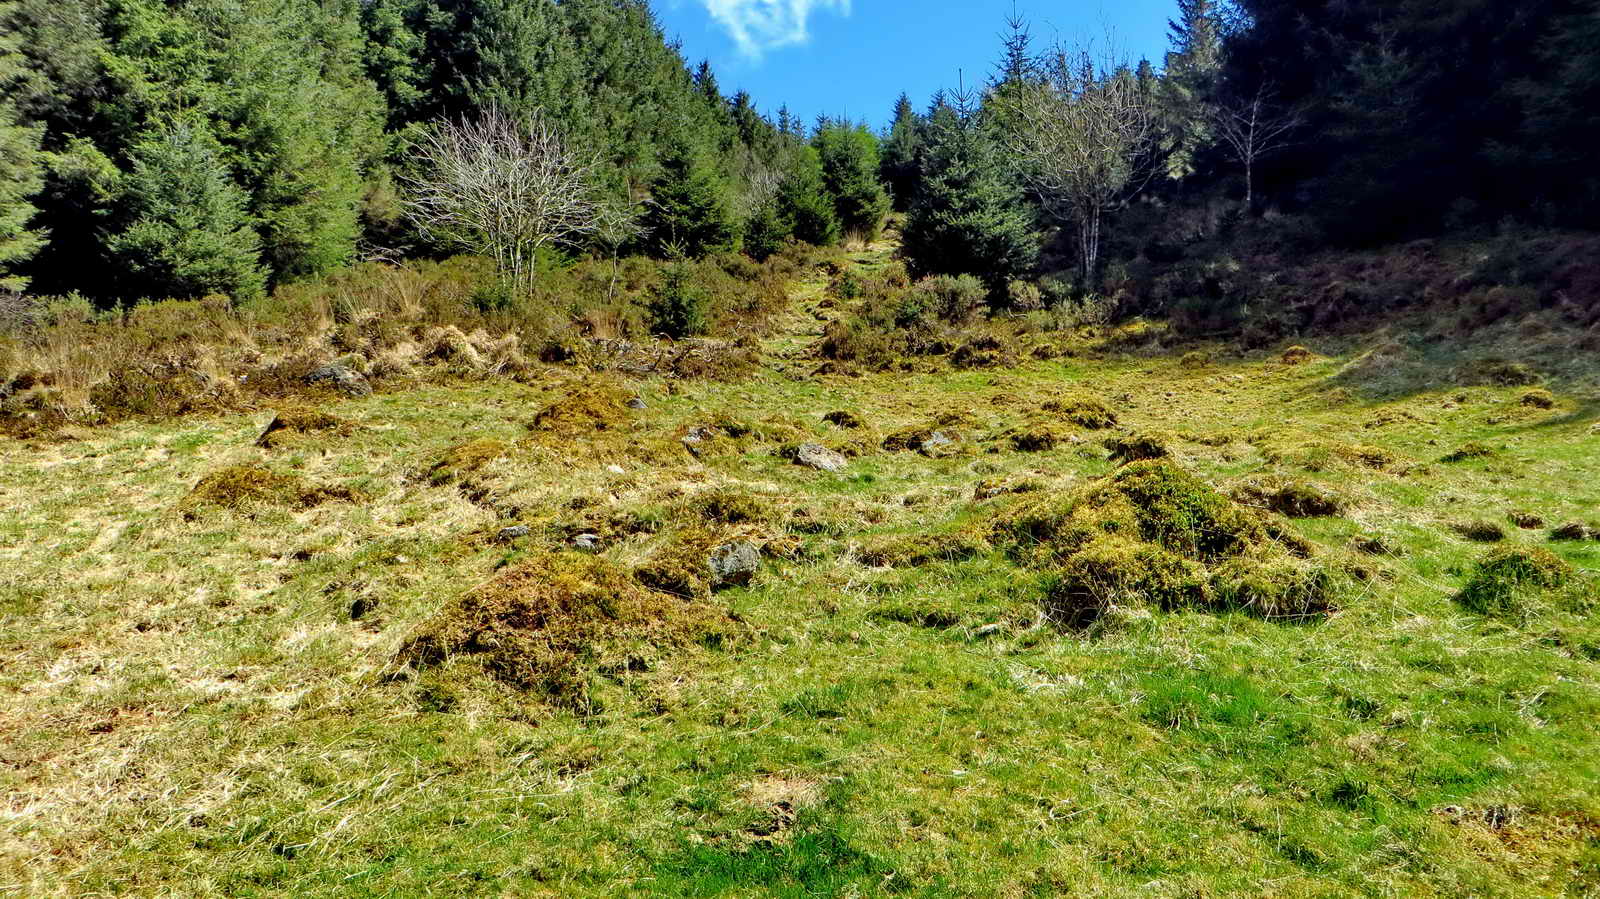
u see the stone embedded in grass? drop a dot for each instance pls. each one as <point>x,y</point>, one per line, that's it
<point>819,457</point>
<point>250,487</point>
<point>1469,451</point>
<point>514,532</point>
<point>1505,581</point>
<point>734,564</point>
<point>340,377</point>
<point>550,623</point>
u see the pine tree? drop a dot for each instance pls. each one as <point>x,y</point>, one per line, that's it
<point>187,234</point>
<point>969,217</point>
<point>1185,98</point>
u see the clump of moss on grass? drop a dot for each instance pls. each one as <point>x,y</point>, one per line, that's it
<point>1574,531</point>
<point>916,550</point>
<point>1469,451</point>
<point>465,459</point>
<point>1037,437</point>
<point>292,422</point>
<point>727,505</point>
<point>1480,531</point>
<point>584,410</point>
<point>681,565</point>
<point>1538,398</point>
<point>842,419</point>
<point>1505,580</point>
<point>249,487</point>
<point>1196,359</point>
<point>1155,534</point>
<point>551,622</point>
<point>1139,447</point>
<point>1291,498</point>
<point>1501,373</point>
<point>1084,411</point>
<point>1297,355</point>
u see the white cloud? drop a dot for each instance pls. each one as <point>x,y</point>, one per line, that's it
<point>761,25</point>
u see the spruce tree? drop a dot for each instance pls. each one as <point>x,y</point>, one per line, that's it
<point>902,149</point>
<point>186,232</point>
<point>849,156</point>
<point>969,216</point>
<point>804,199</point>
<point>689,210</point>
<point>21,173</point>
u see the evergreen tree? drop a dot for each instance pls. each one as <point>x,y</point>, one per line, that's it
<point>969,216</point>
<point>902,151</point>
<point>1186,95</point>
<point>21,171</point>
<point>850,163</point>
<point>689,210</point>
<point>187,234</point>
<point>805,202</point>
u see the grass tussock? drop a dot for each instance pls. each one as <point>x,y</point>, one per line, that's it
<point>465,459</point>
<point>1507,581</point>
<point>1290,498</point>
<point>1084,411</point>
<point>552,622</point>
<point>250,488</point>
<point>1152,534</point>
<point>1470,451</point>
<point>291,424</point>
<point>1141,446</point>
<point>585,409</point>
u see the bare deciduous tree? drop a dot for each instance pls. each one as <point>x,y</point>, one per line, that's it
<point>1251,129</point>
<point>503,189</point>
<point>1083,135</point>
<point>616,224</point>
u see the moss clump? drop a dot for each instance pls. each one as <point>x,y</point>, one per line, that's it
<point>465,459</point>
<point>1084,411</point>
<point>727,505</point>
<point>1290,498</point>
<point>292,422</point>
<point>1480,531</point>
<point>1195,360</point>
<point>1297,355</point>
<point>1273,588</point>
<point>681,566</point>
<point>552,622</point>
<point>248,487</point>
<point>1155,534</point>
<point>1139,447</point>
<point>1037,437</point>
<point>585,410</point>
<point>847,420</point>
<point>1369,456</point>
<point>917,550</point>
<point>1504,581</point>
<point>1538,399</point>
<point>1115,571</point>
<point>1501,373</point>
<point>1574,531</point>
<point>1469,451</point>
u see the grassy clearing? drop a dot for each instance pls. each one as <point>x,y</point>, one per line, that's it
<point>221,700</point>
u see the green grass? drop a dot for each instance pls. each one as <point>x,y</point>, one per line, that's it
<point>189,707</point>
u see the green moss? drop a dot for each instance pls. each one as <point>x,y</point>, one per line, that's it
<point>1538,399</point>
<point>250,487</point>
<point>584,410</point>
<point>1273,588</point>
<point>917,550</point>
<point>1291,498</point>
<point>552,622</point>
<point>1503,582</point>
<point>1083,411</point>
<point>1116,571</point>
<point>465,459</point>
<point>1469,451</point>
<point>1139,447</point>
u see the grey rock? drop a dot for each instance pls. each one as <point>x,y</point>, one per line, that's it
<point>815,455</point>
<point>515,532</point>
<point>341,378</point>
<point>697,436</point>
<point>936,443</point>
<point>637,403</point>
<point>589,543</point>
<point>734,565</point>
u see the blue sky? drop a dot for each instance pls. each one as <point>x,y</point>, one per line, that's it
<point>854,57</point>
